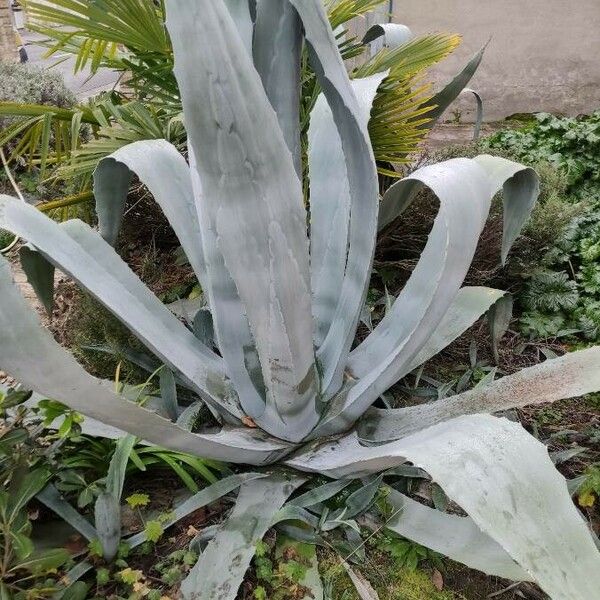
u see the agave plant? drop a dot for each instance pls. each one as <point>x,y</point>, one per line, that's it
<point>291,393</point>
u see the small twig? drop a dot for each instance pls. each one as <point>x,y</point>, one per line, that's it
<point>512,586</point>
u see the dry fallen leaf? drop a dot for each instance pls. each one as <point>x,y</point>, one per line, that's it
<point>191,531</point>
<point>437,580</point>
<point>248,422</point>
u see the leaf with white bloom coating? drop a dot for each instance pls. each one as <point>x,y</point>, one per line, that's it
<point>163,170</point>
<point>240,13</point>
<point>40,275</point>
<point>505,481</point>
<point>221,567</point>
<point>520,187</point>
<point>277,54</point>
<point>52,498</point>
<point>30,354</point>
<point>569,376</point>
<point>456,537</point>
<point>351,123</point>
<point>471,303</point>
<point>252,200</point>
<point>330,202</point>
<point>204,497</point>
<point>387,353</point>
<point>81,253</point>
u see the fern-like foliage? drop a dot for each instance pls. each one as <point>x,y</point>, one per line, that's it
<point>550,291</point>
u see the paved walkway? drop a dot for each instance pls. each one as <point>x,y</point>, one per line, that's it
<point>83,84</point>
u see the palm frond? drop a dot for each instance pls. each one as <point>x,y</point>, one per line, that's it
<point>399,111</point>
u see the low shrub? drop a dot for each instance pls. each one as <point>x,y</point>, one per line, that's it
<point>569,144</point>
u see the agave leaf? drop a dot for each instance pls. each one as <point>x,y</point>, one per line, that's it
<point>569,376</point>
<point>330,202</point>
<point>115,477</point>
<point>479,113</point>
<point>362,498</point>
<point>261,227</point>
<point>168,393</point>
<point>107,516</point>
<point>81,253</point>
<point>162,169</point>
<point>520,186</point>
<point>505,481</point>
<point>447,95</point>
<point>387,353</point>
<point>53,499</point>
<point>240,13</point>
<point>319,494</point>
<point>111,186</point>
<point>390,35</point>
<point>458,538</point>
<point>31,355</point>
<point>361,171</point>
<point>277,55</point>
<point>202,498</point>
<point>499,319</point>
<point>40,275</point>
<point>470,304</point>
<point>231,325</point>
<point>221,567</point>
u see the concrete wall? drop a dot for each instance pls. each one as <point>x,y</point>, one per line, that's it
<point>544,55</point>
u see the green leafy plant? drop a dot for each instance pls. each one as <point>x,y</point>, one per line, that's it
<point>404,552</point>
<point>288,390</point>
<point>589,491</point>
<point>570,144</point>
<point>23,569</point>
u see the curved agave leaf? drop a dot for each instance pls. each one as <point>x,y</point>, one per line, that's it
<point>390,35</point>
<point>220,570</point>
<point>520,187</point>
<point>261,225</point>
<point>231,325</point>
<point>458,538</point>
<point>503,478</point>
<point>468,306</point>
<point>479,113</point>
<point>447,95</point>
<point>33,357</point>
<point>79,251</point>
<point>40,275</point>
<point>162,169</point>
<point>569,376</point>
<point>387,353</point>
<point>362,175</point>
<point>165,173</point>
<point>330,203</point>
<point>277,57</point>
